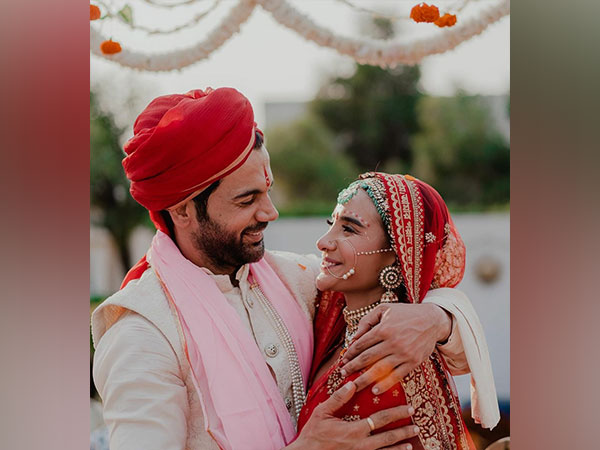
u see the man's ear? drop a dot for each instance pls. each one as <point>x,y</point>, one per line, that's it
<point>184,215</point>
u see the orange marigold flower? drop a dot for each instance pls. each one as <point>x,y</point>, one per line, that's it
<point>424,13</point>
<point>447,20</point>
<point>94,12</point>
<point>110,47</point>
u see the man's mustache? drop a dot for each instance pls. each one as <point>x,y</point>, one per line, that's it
<point>254,228</point>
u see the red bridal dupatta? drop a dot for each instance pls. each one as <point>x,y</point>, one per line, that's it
<point>431,254</point>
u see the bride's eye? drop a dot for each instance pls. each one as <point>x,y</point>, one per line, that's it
<point>329,222</point>
<point>348,229</point>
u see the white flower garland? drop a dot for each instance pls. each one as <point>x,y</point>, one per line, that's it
<point>178,59</point>
<point>364,51</point>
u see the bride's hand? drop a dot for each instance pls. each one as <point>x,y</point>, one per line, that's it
<point>324,431</point>
<point>392,340</point>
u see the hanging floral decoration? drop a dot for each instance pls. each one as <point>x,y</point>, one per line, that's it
<point>384,53</point>
<point>94,12</point>
<point>110,47</point>
<point>447,20</point>
<point>425,13</point>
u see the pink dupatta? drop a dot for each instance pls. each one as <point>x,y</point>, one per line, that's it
<point>241,403</point>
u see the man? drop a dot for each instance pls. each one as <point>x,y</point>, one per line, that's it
<point>181,349</point>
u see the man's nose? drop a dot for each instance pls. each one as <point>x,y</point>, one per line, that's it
<point>267,212</point>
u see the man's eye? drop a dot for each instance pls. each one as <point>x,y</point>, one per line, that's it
<point>329,222</point>
<point>248,202</point>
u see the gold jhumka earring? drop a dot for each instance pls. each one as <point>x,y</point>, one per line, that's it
<point>390,278</point>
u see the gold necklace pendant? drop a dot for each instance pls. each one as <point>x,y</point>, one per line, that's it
<point>352,319</point>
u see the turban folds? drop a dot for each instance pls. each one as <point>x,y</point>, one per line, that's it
<point>184,142</point>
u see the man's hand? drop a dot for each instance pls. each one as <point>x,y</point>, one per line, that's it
<point>393,339</point>
<point>324,431</point>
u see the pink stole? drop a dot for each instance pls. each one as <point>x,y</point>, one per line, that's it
<point>240,400</point>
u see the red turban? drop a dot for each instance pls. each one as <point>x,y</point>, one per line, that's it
<point>184,142</point>
<point>181,144</point>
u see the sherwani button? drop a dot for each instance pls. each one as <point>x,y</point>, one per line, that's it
<point>288,402</point>
<point>271,350</point>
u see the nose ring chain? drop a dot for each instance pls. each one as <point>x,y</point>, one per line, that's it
<point>352,271</point>
<point>374,252</point>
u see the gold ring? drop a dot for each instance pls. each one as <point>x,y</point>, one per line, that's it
<point>371,424</point>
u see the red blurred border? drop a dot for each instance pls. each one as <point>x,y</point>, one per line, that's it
<point>44,171</point>
<point>555,218</point>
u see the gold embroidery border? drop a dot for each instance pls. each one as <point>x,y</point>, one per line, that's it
<point>418,235</point>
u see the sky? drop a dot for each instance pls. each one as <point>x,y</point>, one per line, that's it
<point>269,62</point>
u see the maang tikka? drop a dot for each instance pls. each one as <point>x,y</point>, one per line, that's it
<point>390,278</point>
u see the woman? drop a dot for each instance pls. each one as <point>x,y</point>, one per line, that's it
<point>391,240</point>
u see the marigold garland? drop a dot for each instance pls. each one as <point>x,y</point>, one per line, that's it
<point>94,12</point>
<point>364,51</point>
<point>447,20</point>
<point>110,47</point>
<point>424,13</point>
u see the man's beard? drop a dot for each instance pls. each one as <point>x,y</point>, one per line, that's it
<point>226,249</point>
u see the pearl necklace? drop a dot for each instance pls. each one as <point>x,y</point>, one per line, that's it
<point>352,319</point>
<point>288,344</point>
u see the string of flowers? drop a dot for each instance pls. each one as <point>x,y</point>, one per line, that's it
<point>431,14</point>
<point>124,16</point>
<point>367,51</point>
<point>176,59</point>
<point>456,7</point>
<point>364,51</point>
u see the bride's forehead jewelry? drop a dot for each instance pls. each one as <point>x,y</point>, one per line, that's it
<point>340,212</point>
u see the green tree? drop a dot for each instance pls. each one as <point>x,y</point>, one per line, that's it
<point>111,204</point>
<point>374,114</point>
<point>460,151</point>
<point>308,166</point>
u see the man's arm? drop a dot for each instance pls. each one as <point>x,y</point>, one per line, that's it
<point>452,348</point>
<point>395,338</point>
<point>144,398</point>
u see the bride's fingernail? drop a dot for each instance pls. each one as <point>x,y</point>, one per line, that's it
<point>375,390</point>
<point>343,372</point>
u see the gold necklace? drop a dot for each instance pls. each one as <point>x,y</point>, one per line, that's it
<point>352,319</point>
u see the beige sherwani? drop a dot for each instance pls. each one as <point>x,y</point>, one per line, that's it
<point>142,373</point>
